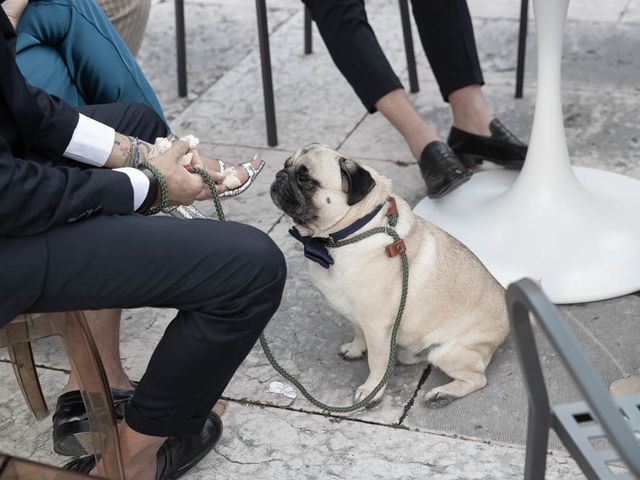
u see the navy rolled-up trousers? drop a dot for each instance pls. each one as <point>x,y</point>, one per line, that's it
<point>446,34</point>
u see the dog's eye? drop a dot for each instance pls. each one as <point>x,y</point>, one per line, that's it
<point>304,180</point>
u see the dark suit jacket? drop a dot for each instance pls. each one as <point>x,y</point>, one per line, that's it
<point>35,128</point>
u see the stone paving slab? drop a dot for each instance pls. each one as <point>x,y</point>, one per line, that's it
<point>499,412</point>
<point>268,443</point>
<point>219,35</point>
<point>582,10</point>
<point>632,12</point>
<point>232,110</point>
<point>20,433</point>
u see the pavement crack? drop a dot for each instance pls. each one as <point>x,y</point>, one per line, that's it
<point>275,224</point>
<point>330,417</point>
<point>407,407</point>
<point>238,462</point>
<point>352,131</point>
<point>44,367</point>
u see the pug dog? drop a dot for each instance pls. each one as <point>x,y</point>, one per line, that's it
<point>455,314</point>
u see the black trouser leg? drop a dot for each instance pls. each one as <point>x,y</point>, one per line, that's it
<point>354,48</point>
<point>446,33</point>
<point>226,280</point>
<point>135,119</point>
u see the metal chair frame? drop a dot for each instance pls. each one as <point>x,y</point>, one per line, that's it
<point>265,56</point>
<point>614,419</point>
<point>522,46</point>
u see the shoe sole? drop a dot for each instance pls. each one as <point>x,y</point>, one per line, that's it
<point>73,439</point>
<point>470,160</point>
<point>449,188</point>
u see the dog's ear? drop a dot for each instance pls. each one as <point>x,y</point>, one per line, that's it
<point>356,181</point>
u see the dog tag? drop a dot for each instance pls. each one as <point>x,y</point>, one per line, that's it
<point>393,208</point>
<point>396,248</point>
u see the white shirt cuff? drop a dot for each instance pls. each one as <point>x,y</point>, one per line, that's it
<point>91,142</point>
<point>139,182</point>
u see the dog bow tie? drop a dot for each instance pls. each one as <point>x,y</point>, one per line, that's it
<point>315,249</point>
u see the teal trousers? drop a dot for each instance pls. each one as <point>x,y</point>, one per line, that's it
<point>70,49</point>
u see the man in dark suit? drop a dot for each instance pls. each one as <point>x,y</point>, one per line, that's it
<point>70,239</point>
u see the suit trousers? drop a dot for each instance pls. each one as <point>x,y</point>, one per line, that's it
<point>225,279</point>
<point>446,34</point>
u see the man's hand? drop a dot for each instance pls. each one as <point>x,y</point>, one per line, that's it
<point>184,186</point>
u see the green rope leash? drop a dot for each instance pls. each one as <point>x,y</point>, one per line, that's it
<point>164,190</point>
<point>393,220</point>
<point>214,191</point>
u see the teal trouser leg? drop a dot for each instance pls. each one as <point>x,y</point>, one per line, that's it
<point>70,49</point>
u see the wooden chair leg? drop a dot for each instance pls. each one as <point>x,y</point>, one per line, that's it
<point>12,468</point>
<point>85,360</point>
<point>24,367</point>
<point>408,46</point>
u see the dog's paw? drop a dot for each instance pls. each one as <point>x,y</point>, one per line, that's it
<point>352,350</point>
<point>436,399</point>
<point>365,389</point>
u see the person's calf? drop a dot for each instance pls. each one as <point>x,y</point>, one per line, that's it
<point>105,329</point>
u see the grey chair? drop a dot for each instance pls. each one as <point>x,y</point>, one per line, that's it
<point>598,432</point>
<point>265,56</point>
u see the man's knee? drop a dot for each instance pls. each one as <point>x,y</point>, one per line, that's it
<point>266,260</point>
<point>144,122</point>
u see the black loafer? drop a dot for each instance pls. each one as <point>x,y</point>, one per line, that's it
<point>502,147</point>
<point>71,431</point>
<point>176,455</point>
<point>441,169</point>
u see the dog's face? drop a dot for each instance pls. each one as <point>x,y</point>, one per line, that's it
<point>318,186</point>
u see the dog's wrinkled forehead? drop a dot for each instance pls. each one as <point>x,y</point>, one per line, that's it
<point>322,162</point>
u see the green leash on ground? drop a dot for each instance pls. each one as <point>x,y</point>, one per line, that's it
<point>393,220</point>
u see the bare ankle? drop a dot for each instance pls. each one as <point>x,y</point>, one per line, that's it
<point>120,381</point>
<point>139,452</point>
<point>420,138</point>
<point>471,112</point>
<point>397,108</point>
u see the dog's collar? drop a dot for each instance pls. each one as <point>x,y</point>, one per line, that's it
<point>357,225</point>
<point>315,248</point>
